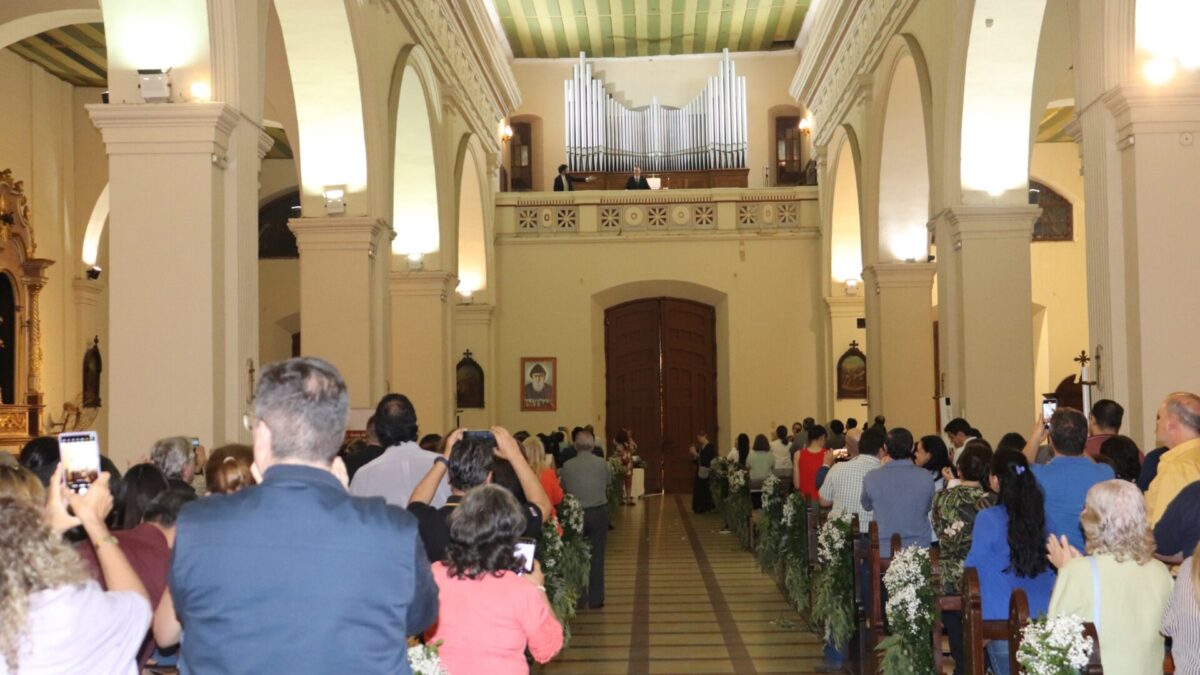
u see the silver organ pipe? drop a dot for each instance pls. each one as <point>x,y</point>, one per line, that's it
<point>708,132</point>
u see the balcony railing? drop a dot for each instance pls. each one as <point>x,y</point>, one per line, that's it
<point>647,212</point>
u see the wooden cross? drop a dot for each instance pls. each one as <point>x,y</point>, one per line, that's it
<point>854,344</point>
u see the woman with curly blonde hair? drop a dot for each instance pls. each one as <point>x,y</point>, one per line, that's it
<point>1118,586</point>
<point>53,617</point>
<point>21,483</point>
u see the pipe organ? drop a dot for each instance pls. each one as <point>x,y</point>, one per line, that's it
<point>708,133</point>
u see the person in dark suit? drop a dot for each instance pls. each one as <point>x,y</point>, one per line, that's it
<point>565,182</point>
<point>637,181</point>
<point>294,575</point>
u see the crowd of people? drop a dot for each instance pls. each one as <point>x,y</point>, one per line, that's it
<point>254,559</point>
<point>1074,514</point>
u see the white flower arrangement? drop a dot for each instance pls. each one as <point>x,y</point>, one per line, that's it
<point>903,579</point>
<point>737,480</point>
<point>1054,646</point>
<point>768,491</point>
<point>831,539</point>
<point>615,466</point>
<point>424,659</point>
<point>791,507</point>
<point>570,515</point>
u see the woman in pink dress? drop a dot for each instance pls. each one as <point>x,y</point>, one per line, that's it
<point>487,611</point>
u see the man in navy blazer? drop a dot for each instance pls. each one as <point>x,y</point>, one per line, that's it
<point>295,575</point>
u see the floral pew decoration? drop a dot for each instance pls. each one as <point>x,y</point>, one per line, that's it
<point>566,560</point>
<point>770,526</point>
<point>833,583</point>
<point>910,614</point>
<point>797,577</point>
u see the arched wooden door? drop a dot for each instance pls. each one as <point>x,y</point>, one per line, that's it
<point>661,378</point>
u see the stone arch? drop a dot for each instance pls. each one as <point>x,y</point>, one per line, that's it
<point>417,115</point>
<point>474,254</point>
<point>329,108</point>
<point>998,77</point>
<point>903,181</point>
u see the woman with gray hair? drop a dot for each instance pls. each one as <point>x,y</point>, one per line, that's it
<point>174,457</point>
<point>1118,586</point>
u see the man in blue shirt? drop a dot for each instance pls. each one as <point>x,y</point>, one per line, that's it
<point>1066,479</point>
<point>900,494</point>
<point>294,575</point>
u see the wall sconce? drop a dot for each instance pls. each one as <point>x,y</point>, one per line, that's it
<point>506,132</point>
<point>201,92</point>
<point>805,125</point>
<point>335,200</point>
<point>155,85</point>
<point>416,262</point>
<point>852,287</point>
<point>93,272</point>
<point>467,296</point>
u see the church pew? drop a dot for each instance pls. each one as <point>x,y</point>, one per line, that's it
<point>976,631</point>
<point>875,629</point>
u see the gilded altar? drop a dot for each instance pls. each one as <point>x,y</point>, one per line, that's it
<point>22,277</point>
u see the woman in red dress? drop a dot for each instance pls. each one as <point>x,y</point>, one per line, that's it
<point>808,461</point>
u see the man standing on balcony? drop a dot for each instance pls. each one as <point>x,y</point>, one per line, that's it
<point>565,182</point>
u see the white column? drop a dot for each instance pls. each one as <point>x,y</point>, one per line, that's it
<point>903,358</point>
<point>168,274</point>
<point>422,324</point>
<point>341,298</point>
<point>985,314</point>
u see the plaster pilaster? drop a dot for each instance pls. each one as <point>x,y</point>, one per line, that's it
<point>342,298</point>
<point>422,305</point>
<point>901,337</point>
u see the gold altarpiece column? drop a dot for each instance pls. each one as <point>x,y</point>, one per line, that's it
<point>22,277</point>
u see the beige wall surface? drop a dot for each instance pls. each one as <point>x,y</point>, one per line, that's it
<point>674,80</point>
<point>1060,270</point>
<point>278,308</point>
<point>764,288</point>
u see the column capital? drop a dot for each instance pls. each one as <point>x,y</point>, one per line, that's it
<point>900,275</point>
<point>265,143</point>
<point>422,284</point>
<point>987,222</point>
<point>1141,109</point>
<point>473,314</point>
<point>164,128</point>
<point>845,307</point>
<point>340,234</point>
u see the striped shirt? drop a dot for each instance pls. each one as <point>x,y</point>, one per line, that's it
<point>843,487</point>
<point>1182,622</point>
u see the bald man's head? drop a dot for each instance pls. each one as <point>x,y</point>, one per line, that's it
<point>1178,419</point>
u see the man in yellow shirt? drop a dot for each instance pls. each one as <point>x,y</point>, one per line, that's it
<point>1178,428</point>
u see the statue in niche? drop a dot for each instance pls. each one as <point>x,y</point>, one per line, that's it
<point>92,365</point>
<point>469,377</point>
<point>852,373</point>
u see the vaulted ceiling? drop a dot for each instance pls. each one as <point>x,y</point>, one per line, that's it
<point>563,28</point>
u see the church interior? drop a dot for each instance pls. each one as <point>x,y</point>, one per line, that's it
<point>916,209</point>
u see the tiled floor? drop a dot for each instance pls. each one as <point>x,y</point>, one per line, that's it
<point>683,598</point>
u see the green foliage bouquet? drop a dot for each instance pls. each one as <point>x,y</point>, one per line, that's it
<point>566,560</point>
<point>833,584</point>
<point>794,550</point>
<point>770,525</point>
<point>910,613</point>
<point>737,504</point>
<point>718,482</point>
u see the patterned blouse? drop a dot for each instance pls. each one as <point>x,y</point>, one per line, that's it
<point>954,513</point>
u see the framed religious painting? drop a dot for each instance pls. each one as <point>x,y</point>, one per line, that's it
<point>852,373</point>
<point>539,382</point>
<point>469,381</point>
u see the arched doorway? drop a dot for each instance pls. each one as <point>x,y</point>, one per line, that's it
<point>661,365</point>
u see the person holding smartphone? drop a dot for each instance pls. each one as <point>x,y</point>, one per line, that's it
<point>492,602</point>
<point>57,619</point>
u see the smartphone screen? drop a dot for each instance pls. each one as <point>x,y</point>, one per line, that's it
<point>526,548</point>
<point>484,435</point>
<point>1049,405</point>
<point>80,452</point>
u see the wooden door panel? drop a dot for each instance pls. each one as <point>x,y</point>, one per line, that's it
<point>632,349</point>
<point>689,385</point>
